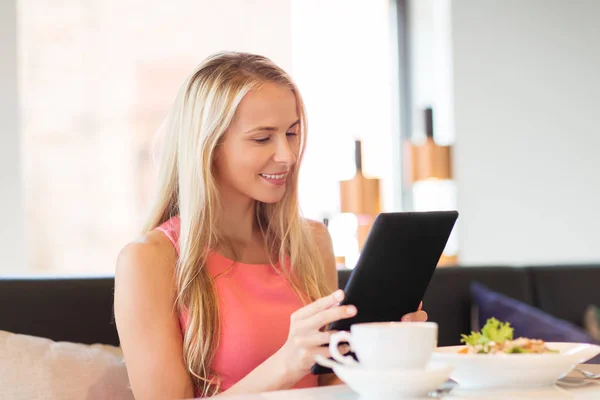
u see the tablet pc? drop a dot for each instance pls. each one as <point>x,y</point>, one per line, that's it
<point>395,267</point>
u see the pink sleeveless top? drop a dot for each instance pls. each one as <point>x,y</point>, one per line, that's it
<point>255,304</point>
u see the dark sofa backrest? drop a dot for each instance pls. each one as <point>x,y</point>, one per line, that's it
<point>75,310</point>
<point>64,309</point>
<point>81,309</point>
<point>566,291</point>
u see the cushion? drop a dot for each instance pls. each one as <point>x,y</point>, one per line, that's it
<point>39,368</point>
<point>527,320</point>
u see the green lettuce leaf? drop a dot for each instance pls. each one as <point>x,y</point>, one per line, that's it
<point>497,331</point>
<point>473,339</point>
<point>492,331</point>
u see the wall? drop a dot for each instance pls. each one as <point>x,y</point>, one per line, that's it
<point>97,78</point>
<point>11,226</point>
<point>95,81</point>
<point>526,89</point>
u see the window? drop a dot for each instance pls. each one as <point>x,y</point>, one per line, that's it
<point>96,79</point>
<point>344,63</point>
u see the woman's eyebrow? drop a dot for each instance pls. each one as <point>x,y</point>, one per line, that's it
<point>270,128</point>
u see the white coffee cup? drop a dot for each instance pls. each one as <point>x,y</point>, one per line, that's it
<point>403,345</point>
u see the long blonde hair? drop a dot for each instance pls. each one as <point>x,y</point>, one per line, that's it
<point>193,129</point>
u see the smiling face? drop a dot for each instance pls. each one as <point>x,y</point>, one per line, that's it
<point>261,145</point>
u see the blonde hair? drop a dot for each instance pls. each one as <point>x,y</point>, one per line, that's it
<point>194,128</point>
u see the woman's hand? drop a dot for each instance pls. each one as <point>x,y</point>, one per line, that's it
<point>306,335</point>
<point>417,316</point>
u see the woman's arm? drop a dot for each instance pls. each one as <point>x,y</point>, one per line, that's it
<point>325,244</point>
<point>147,321</point>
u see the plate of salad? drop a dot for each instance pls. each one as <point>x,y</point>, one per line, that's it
<point>493,357</point>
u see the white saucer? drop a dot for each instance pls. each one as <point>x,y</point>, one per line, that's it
<point>384,384</point>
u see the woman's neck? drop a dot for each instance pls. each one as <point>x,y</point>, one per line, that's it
<point>237,221</point>
<point>245,242</point>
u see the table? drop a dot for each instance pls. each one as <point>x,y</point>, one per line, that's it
<point>572,387</point>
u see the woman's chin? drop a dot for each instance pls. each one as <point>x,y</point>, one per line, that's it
<point>268,194</point>
<point>269,198</point>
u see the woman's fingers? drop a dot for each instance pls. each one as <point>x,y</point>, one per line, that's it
<point>328,316</point>
<point>419,316</point>
<point>324,351</point>
<point>319,305</point>
<point>344,349</point>
<point>317,339</point>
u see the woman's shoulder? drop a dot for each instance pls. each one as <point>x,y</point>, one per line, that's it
<point>149,259</point>
<point>317,229</point>
<point>324,244</point>
<point>322,239</point>
<point>152,244</point>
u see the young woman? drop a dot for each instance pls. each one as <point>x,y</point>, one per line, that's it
<point>229,288</point>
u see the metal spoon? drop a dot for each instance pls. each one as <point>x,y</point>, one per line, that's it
<point>587,374</point>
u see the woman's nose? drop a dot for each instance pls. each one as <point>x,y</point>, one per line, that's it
<point>284,153</point>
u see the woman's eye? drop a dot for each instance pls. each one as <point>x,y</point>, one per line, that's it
<point>291,133</point>
<point>262,140</point>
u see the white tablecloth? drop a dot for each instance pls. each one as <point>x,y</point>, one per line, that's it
<point>572,387</point>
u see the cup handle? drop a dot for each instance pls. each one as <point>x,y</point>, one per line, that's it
<point>334,342</point>
<point>325,362</point>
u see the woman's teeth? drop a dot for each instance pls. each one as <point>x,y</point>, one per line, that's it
<point>280,176</point>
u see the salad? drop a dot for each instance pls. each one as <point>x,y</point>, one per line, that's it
<point>497,338</point>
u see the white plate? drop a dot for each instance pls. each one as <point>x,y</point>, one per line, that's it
<point>477,371</point>
<point>384,384</point>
